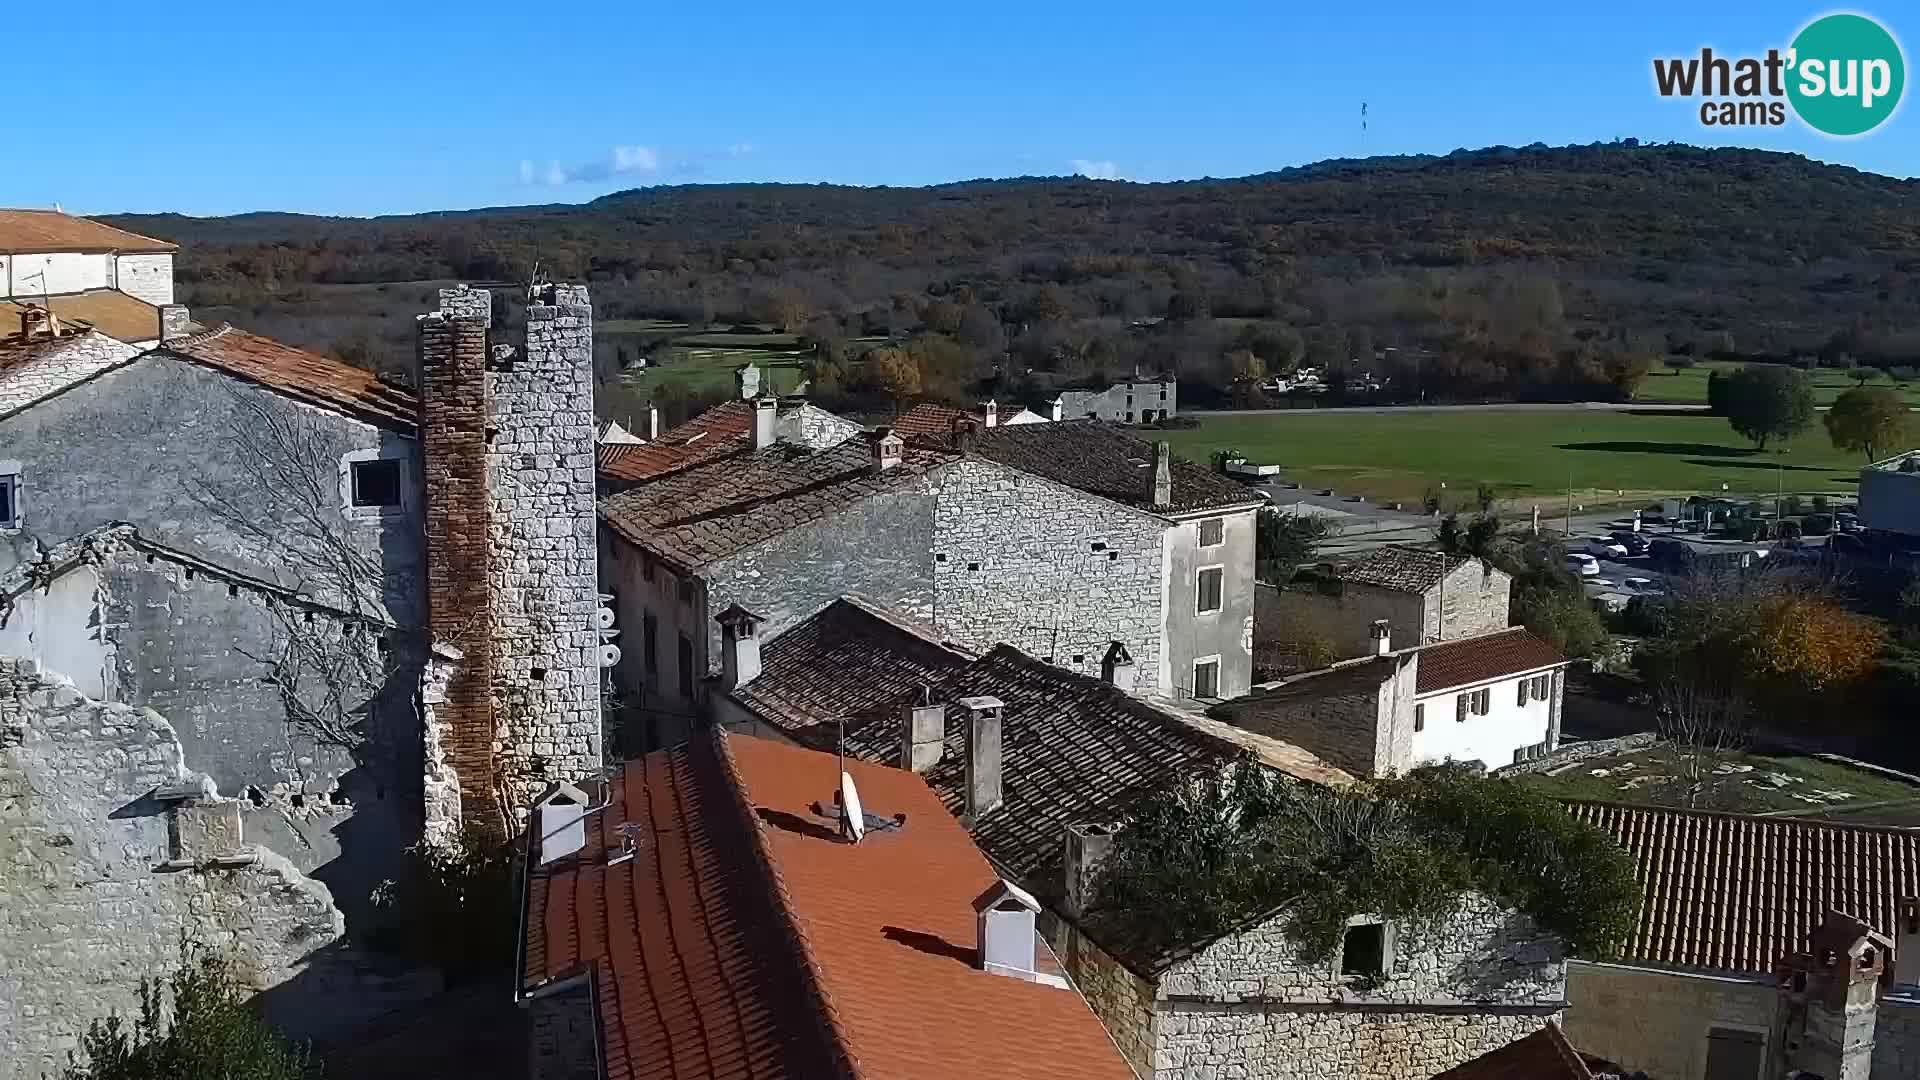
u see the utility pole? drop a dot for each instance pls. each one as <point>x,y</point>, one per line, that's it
<point>1566,523</point>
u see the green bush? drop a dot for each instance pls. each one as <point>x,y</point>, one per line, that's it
<point>454,907</point>
<point>1818,524</point>
<point>197,1027</point>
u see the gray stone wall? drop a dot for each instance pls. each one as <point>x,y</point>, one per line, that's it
<point>1122,1000</point>
<point>561,1039</point>
<point>1250,1004</point>
<point>1052,571</point>
<point>1361,723</point>
<point>1338,617</point>
<point>1227,633</point>
<point>1123,402</point>
<point>543,567</point>
<point>86,357</point>
<point>1657,1022</point>
<point>812,426</point>
<point>86,906</point>
<point>1896,1037</point>
<point>1476,601</point>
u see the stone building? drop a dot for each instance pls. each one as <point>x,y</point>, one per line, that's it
<point>1494,698</point>
<point>86,274</point>
<point>928,418</point>
<point>1766,947</point>
<point>1130,401</point>
<point>1424,595</point>
<point>1058,539</point>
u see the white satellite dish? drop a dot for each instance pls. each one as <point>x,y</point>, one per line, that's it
<point>852,819</point>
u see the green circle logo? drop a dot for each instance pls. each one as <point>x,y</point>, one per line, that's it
<point>1847,74</point>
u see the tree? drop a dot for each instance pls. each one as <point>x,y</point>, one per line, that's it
<point>198,1025</point>
<point>1764,402</point>
<point>1284,542</point>
<point>1868,418</point>
<point>1699,719</point>
<point>897,372</point>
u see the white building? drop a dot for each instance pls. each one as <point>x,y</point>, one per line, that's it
<point>117,282</point>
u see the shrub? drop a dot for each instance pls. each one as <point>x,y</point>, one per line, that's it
<point>454,907</point>
<point>197,1026</point>
<point>1818,524</point>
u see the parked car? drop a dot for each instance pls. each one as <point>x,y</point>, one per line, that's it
<point>1846,523</point>
<point>1632,541</point>
<point>1671,554</point>
<point>1583,565</point>
<point>1602,547</point>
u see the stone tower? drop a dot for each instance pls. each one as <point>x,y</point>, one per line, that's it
<point>507,444</point>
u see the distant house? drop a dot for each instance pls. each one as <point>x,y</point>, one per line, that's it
<point>1425,596</point>
<point>1494,698</point>
<point>1131,401</point>
<point>726,428</point>
<point>928,418</point>
<point>86,274</point>
<point>709,911</point>
<point>1766,947</point>
<point>1890,495</point>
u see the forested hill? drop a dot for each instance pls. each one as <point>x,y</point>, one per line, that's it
<point>1653,247</point>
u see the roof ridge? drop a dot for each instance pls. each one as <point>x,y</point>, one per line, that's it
<point>837,1031</point>
<point>1565,1048</point>
<point>201,338</point>
<point>1757,819</point>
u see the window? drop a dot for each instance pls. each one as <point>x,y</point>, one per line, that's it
<point>1206,679</point>
<point>650,642</point>
<point>1460,709</point>
<point>1523,684</point>
<point>1419,718</point>
<point>1213,532</point>
<point>1735,1055</point>
<point>1363,950</point>
<point>1207,587</point>
<point>686,668</point>
<point>1129,416</point>
<point>10,501</point>
<point>1543,687</point>
<point>1163,393</point>
<point>1482,702</point>
<point>376,482</point>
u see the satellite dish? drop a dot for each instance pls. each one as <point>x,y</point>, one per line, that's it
<point>853,820</point>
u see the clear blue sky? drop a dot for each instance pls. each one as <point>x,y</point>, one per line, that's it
<point>217,106</point>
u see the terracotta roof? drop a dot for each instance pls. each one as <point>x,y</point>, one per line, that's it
<point>720,430</point>
<point>310,377</point>
<point>31,231</point>
<point>745,939</point>
<point>1447,664</point>
<point>1544,1055</point>
<point>109,311</point>
<point>1406,569</point>
<point>1104,459</point>
<point>1736,893</point>
<point>928,418</point>
<point>712,510</point>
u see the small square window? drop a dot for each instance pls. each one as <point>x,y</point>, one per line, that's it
<point>1206,679</point>
<point>376,482</point>
<point>1419,718</point>
<point>1129,416</point>
<point>1208,588</point>
<point>1213,531</point>
<point>973,566</point>
<point>10,501</point>
<point>1363,950</point>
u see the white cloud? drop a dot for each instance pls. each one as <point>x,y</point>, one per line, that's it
<point>635,161</point>
<point>1095,170</point>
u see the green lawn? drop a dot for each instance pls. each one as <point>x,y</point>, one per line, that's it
<point>1525,455</point>
<point>1744,782</point>
<point>1688,386</point>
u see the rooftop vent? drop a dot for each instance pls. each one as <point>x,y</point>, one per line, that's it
<point>560,818</point>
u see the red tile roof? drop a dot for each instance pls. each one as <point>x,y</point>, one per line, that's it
<point>928,418</point>
<point>723,429</point>
<point>1736,893</point>
<point>1467,661</point>
<point>41,231</point>
<point>1544,1055</point>
<point>745,939</point>
<point>310,377</point>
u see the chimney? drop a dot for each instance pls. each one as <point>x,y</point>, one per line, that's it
<point>1837,981</point>
<point>983,754</point>
<point>990,411</point>
<point>765,419</point>
<point>1116,668</point>
<point>560,821</point>
<point>1056,408</point>
<point>175,322</point>
<point>1006,915</point>
<point>887,448</point>
<point>746,381</point>
<point>653,423</point>
<point>1382,637</point>
<point>1087,847</point>
<point>1906,951</point>
<point>1162,474</point>
<point>740,646</point>
<point>38,322</point>
<point>923,735</point>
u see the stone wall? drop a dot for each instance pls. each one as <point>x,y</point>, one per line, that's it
<point>1896,1037</point>
<point>562,1039</point>
<point>1474,600</point>
<point>1334,617</point>
<point>812,426</point>
<point>89,899</point>
<point>1122,1000</point>
<point>1657,1022</point>
<point>1225,634</point>
<point>149,277</point>
<point>1052,571</point>
<point>88,355</point>
<point>1358,718</point>
<point>1251,1005</point>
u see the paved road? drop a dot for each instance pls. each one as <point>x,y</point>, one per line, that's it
<point>1505,406</point>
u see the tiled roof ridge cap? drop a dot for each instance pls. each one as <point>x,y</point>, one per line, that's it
<point>1756,819</point>
<point>202,338</point>
<point>836,1030</point>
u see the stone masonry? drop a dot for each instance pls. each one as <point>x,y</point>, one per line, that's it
<point>101,878</point>
<point>85,356</point>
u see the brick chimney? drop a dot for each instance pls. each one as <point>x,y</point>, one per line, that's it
<point>983,754</point>
<point>923,734</point>
<point>175,322</point>
<point>739,646</point>
<point>37,322</point>
<point>1162,474</point>
<point>765,421</point>
<point>1116,667</point>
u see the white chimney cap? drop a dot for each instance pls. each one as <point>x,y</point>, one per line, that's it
<point>981,703</point>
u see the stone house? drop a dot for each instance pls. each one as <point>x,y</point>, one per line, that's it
<point>87,275</point>
<point>1130,401</point>
<point>1424,595</point>
<point>1494,698</point>
<point>1057,538</point>
<point>928,418</point>
<point>709,911</point>
<point>1766,947</point>
<point>1039,762</point>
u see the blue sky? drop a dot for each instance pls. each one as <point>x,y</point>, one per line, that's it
<point>218,107</point>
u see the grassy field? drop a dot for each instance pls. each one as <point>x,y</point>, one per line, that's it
<point>1746,782</point>
<point>1525,455</point>
<point>702,361</point>
<point>1688,386</point>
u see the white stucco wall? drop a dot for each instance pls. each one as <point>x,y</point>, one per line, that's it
<point>149,277</point>
<point>58,626</point>
<point>1491,739</point>
<point>64,272</point>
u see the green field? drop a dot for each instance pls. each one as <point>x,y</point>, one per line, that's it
<point>1688,386</point>
<point>1745,782</point>
<point>702,361</point>
<point>1525,455</point>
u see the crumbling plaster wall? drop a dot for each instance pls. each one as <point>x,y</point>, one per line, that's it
<point>85,911</point>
